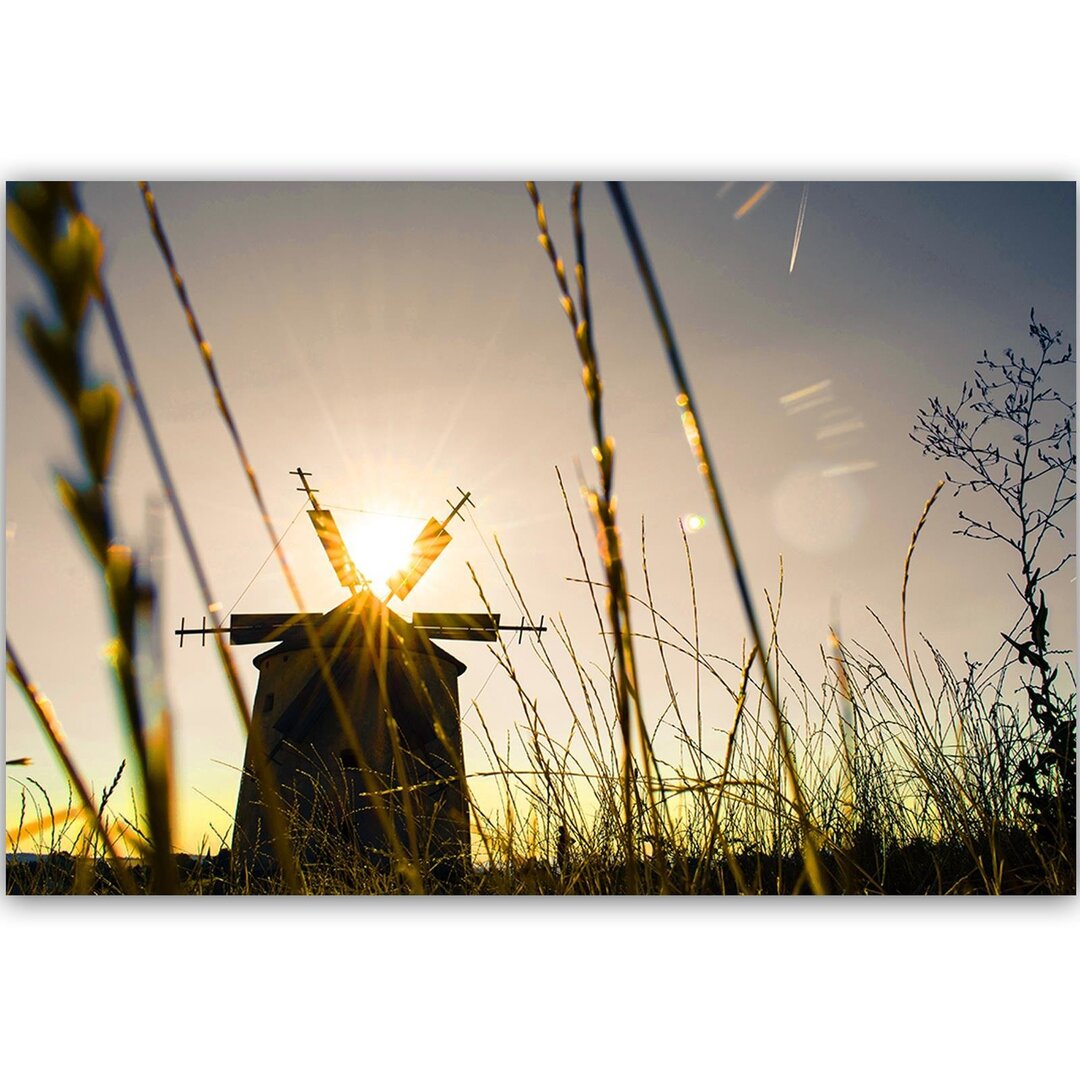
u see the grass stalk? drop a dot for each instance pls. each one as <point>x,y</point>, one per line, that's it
<point>698,442</point>
<point>43,710</point>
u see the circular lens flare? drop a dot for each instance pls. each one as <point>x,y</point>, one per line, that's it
<point>818,511</point>
<point>693,523</point>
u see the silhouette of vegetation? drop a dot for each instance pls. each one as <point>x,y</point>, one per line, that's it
<point>1011,437</point>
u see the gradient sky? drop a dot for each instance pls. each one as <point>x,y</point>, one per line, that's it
<point>398,340</point>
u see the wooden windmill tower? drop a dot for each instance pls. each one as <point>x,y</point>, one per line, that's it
<point>359,716</point>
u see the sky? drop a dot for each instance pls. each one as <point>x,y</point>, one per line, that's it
<point>401,340</point>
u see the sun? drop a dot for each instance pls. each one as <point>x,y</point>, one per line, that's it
<point>379,544</point>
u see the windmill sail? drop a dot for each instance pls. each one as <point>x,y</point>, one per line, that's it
<point>334,545</point>
<point>426,549</point>
<point>459,626</point>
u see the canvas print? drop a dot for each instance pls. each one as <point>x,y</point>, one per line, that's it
<point>547,538</point>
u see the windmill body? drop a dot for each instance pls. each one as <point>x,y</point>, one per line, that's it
<point>394,685</point>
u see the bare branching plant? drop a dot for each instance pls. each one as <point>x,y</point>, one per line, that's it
<point>1009,441</point>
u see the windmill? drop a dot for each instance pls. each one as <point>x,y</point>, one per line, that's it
<point>358,711</point>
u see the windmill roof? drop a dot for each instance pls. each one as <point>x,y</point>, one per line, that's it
<point>361,619</point>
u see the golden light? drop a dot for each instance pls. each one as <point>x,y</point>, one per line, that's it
<point>754,200</point>
<point>380,544</point>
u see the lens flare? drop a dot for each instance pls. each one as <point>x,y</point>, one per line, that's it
<point>816,513</point>
<point>753,200</point>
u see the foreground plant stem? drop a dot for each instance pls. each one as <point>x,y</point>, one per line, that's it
<point>695,436</point>
<point>602,503</point>
<point>266,781</point>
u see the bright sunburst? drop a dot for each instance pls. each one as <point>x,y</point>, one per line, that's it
<point>379,544</point>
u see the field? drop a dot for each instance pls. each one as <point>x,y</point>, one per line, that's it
<point>880,771</point>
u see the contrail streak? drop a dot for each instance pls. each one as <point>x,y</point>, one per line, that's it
<point>798,227</point>
<point>753,200</point>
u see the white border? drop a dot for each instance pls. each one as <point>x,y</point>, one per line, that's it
<point>528,987</point>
